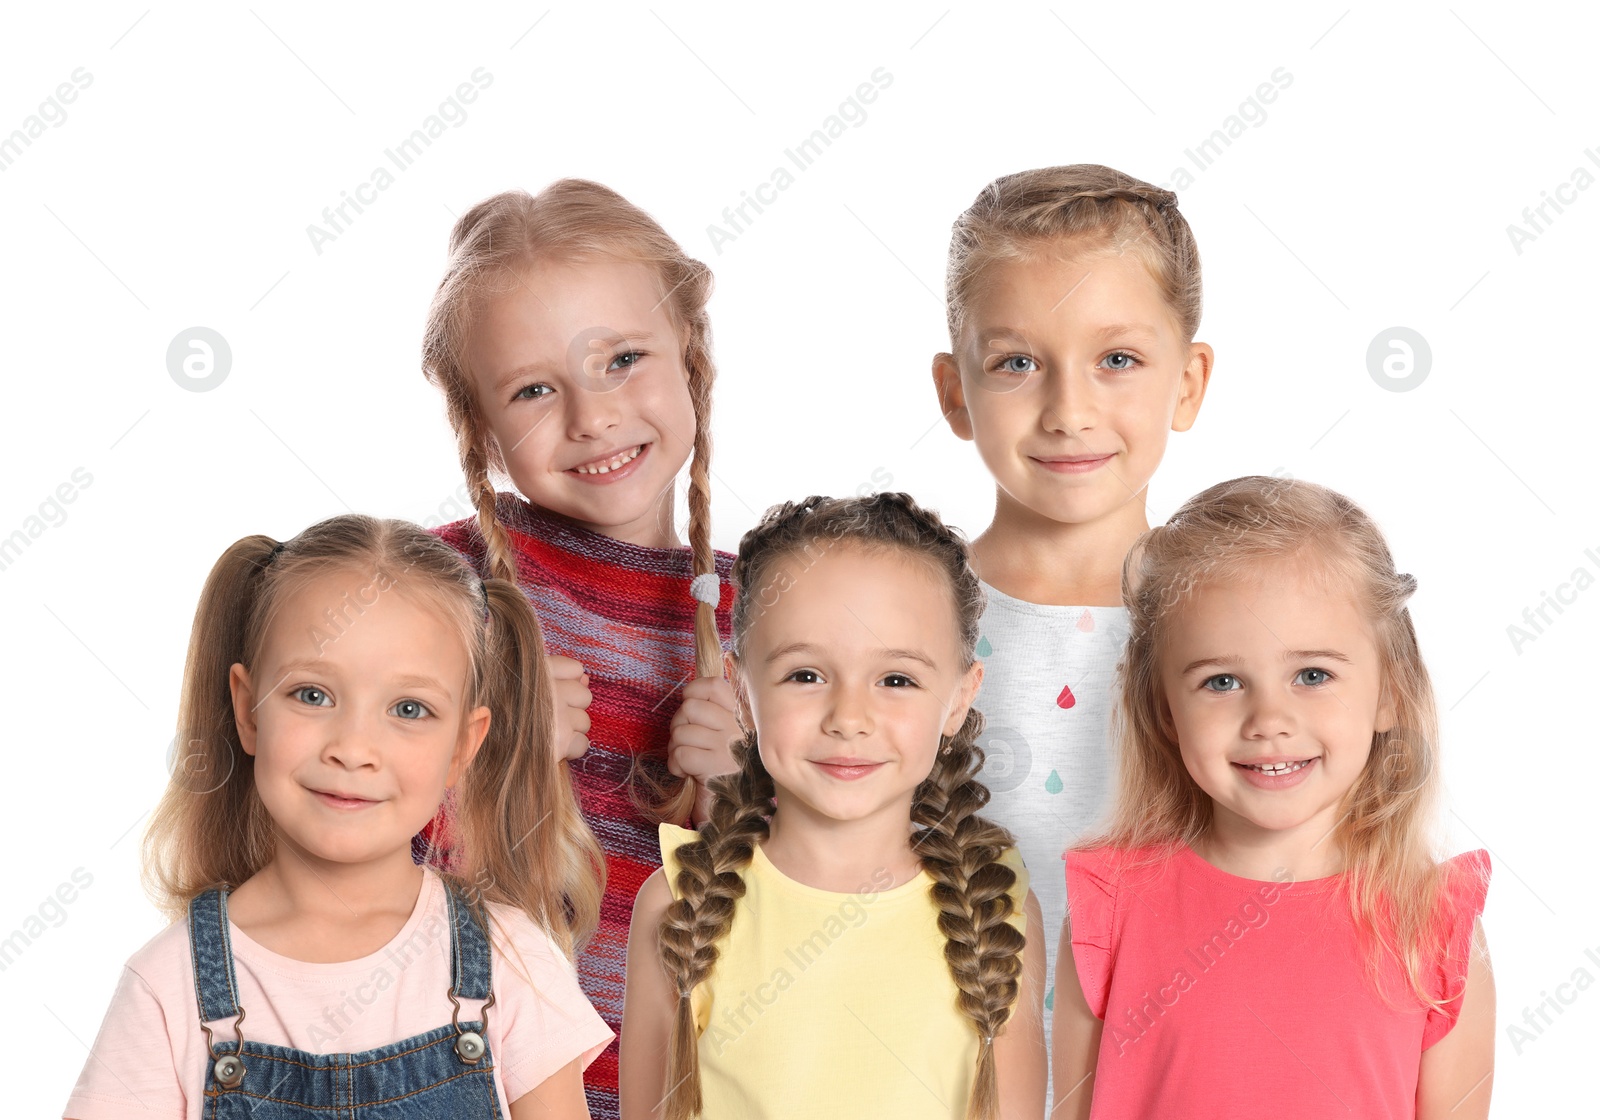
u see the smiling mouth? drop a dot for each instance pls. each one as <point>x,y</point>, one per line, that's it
<point>606,466</point>
<point>1275,768</point>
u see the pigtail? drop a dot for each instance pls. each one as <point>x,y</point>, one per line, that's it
<point>708,885</point>
<point>522,838</point>
<point>961,851</point>
<point>210,826</point>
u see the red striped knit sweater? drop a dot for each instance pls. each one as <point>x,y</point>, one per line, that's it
<point>625,612</point>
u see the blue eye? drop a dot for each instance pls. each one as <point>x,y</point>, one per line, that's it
<point>526,389</point>
<point>1018,364</point>
<point>305,692</point>
<point>629,357</point>
<point>1126,357</point>
<point>411,709</point>
<point>1313,677</point>
<point>1222,682</point>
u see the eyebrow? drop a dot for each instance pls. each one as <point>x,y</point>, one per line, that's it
<point>311,665</point>
<point>892,654</point>
<point>631,338</point>
<point>1111,330</point>
<point>1288,655</point>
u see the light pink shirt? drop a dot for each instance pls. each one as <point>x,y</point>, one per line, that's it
<point>150,1058</point>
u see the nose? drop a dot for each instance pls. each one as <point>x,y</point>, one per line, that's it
<point>591,413</point>
<point>350,742</point>
<point>850,714</point>
<point>1069,403</point>
<point>1270,715</point>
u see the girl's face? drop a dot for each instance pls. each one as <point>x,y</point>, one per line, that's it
<point>850,676</point>
<point>1069,374</point>
<point>579,372</point>
<point>355,714</point>
<point>1274,689</point>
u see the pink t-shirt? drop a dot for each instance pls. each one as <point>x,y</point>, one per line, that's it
<point>1238,998</point>
<point>150,1058</point>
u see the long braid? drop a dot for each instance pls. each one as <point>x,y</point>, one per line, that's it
<point>709,883</point>
<point>961,851</point>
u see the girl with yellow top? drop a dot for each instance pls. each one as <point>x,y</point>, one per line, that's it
<point>845,936</point>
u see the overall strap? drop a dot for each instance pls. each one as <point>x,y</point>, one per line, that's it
<point>216,989</point>
<point>469,950</point>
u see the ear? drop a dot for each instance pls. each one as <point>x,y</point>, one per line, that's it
<point>966,695</point>
<point>952,398</point>
<point>473,731</point>
<point>1386,716</point>
<point>244,705</point>
<point>741,698</point>
<point>1192,386</point>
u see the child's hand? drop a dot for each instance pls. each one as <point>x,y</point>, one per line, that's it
<point>703,733</point>
<point>572,707</point>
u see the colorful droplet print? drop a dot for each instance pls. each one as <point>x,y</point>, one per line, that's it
<point>1086,621</point>
<point>1054,784</point>
<point>984,648</point>
<point>1066,699</point>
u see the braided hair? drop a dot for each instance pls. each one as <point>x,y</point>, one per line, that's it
<point>1092,206</point>
<point>959,850</point>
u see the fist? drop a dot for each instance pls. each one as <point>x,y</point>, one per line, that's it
<point>703,732</point>
<point>571,687</point>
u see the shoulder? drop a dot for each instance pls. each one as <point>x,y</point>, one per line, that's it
<point>165,959</point>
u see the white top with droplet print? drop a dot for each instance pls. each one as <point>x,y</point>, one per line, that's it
<point>1049,688</point>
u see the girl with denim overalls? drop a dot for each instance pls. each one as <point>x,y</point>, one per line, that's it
<point>339,688</point>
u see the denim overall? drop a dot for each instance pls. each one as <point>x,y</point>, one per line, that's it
<point>445,1074</point>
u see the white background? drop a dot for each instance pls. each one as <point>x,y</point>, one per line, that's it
<point>1376,193</point>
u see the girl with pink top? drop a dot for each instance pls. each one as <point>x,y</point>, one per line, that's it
<point>337,686</point>
<point>1265,930</point>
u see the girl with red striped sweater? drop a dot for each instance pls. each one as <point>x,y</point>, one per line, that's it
<point>570,339</point>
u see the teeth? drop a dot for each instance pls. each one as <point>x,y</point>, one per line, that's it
<point>1278,767</point>
<point>620,461</point>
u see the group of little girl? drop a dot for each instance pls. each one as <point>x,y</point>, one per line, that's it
<point>543,814</point>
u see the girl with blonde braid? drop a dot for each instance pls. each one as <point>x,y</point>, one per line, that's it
<point>570,339</point>
<point>845,936</point>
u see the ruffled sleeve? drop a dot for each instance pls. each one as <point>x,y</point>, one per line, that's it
<point>1092,879</point>
<point>1464,886</point>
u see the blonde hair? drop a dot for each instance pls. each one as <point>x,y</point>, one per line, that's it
<point>575,220</point>
<point>1020,216</point>
<point>1385,832</point>
<point>518,837</point>
<point>958,848</point>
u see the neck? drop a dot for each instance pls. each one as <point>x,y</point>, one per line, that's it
<point>656,528</point>
<point>1039,560</point>
<point>844,856</point>
<point>1306,851</point>
<point>315,909</point>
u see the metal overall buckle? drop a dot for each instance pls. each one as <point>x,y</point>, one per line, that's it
<point>470,1046</point>
<point>228,1068</point>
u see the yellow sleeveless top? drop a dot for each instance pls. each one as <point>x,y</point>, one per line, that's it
<point>826,1005</point>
